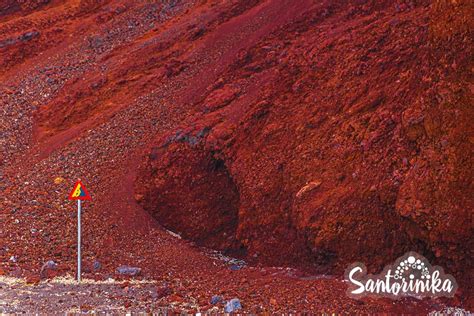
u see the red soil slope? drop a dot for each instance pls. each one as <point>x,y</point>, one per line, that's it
<point>290,133</point>
<point>338,141</point>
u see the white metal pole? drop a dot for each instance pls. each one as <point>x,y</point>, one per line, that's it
<point>78,240</point>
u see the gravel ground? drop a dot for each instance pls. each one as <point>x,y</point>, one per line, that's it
<point>40,222</point>
<point>64,294</point>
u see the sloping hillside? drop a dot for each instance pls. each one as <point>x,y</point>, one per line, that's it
<point>301,134</point>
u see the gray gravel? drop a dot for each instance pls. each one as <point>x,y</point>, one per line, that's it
<point>64,295</point>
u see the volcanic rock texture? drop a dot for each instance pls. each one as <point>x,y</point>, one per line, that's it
<point>309,134</point>
<point>346,135</point>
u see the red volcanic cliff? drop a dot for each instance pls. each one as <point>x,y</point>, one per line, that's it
<point>309,134</point>
<point>344,135</point>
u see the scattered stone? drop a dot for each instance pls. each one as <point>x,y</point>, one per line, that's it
<point>127,270</point>
<point>450,311</point>
<point>138,197</point>
<point>221,97</point>
<point>29,36</point>
<point>58,180</point>
<point>96,265</point>
<point>8,42</point>
<point>47,269</point>
<point>235,267</point>
<point>308,187</point>
<point>232,305</point>
<point>216,299</point>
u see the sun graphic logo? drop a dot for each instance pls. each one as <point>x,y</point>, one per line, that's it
<point>410,275</point>
<point>413,268</point>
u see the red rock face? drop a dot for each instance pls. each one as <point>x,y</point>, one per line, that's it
<point>295,133</point>
<point>8,7</point>
<point>345,135</point>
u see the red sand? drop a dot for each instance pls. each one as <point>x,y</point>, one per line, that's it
<point>287,133</point>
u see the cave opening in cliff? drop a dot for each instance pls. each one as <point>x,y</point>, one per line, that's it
<point>190,191</point>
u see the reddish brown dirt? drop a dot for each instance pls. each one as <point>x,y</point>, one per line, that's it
<point>288,133</point>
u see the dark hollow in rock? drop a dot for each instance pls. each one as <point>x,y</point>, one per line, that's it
<point>189,191</point>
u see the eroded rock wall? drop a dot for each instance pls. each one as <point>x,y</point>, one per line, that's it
<point>347,136</point>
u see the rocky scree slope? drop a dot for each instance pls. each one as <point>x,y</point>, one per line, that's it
<point>309,134</point>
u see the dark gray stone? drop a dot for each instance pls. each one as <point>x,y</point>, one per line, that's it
<point>127,270</point>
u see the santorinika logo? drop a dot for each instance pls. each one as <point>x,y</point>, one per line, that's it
<point>410,275</point>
